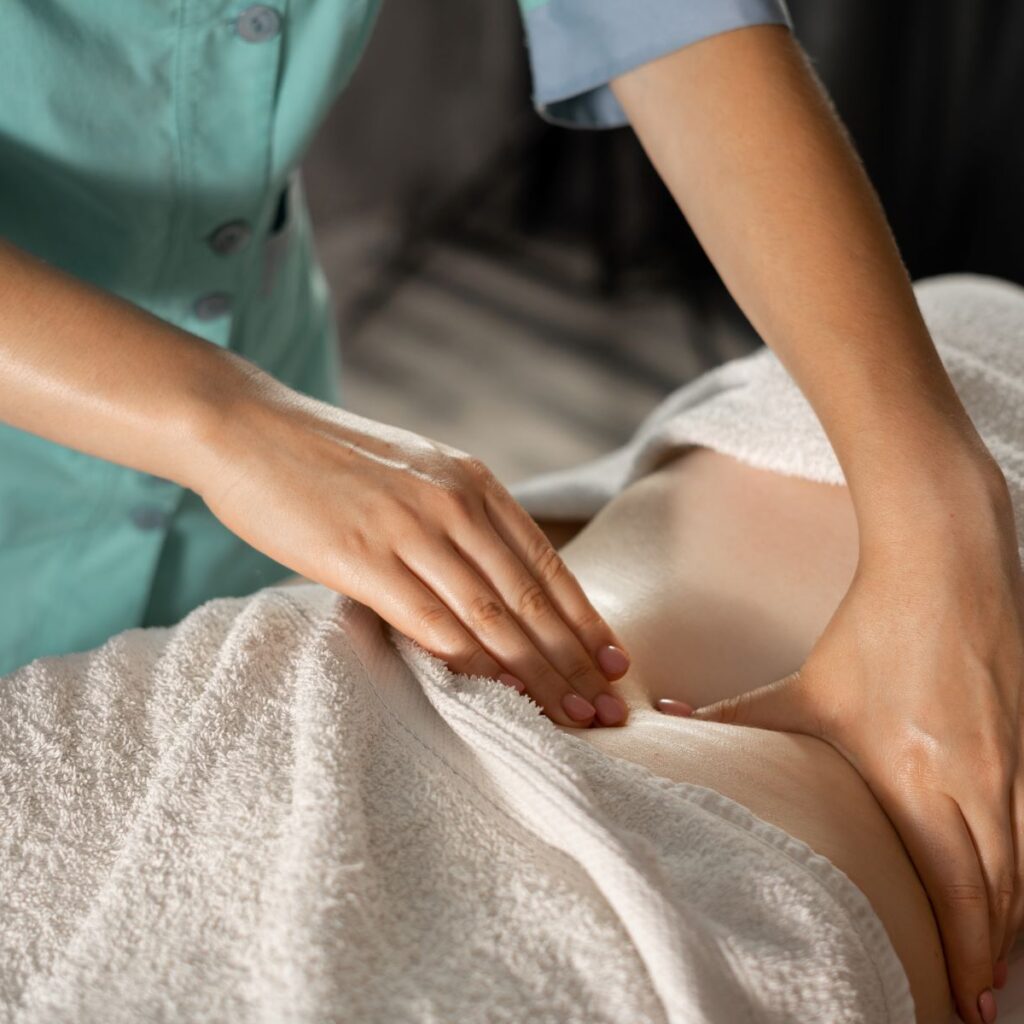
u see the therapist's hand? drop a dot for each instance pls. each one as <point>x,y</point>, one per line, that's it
<point>420,532</point>
<point>917,682</point>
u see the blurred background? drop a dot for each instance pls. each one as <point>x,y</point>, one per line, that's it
<point>528,293</point>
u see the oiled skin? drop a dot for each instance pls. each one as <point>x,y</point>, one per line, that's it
<point>719,578</point>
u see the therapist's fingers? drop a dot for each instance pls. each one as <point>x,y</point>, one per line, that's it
<point>413,609</point>
<point>993,842</point>
<point>1016,913</point>
<point>531,606</point>
<point>489,621</point>
<point>529,544</point>
<point>940,845</point>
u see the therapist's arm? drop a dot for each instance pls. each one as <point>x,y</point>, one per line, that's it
<point>917,679</point>
<point>420,532</point>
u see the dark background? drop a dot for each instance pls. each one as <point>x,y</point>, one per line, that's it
<point>528,292</point>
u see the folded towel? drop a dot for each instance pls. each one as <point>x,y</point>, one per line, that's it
<point>276,811</point>
<point>751,409</point>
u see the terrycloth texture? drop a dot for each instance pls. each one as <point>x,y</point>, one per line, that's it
<point>271,812</point>
<point>751,409</point>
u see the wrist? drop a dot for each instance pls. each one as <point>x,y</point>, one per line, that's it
<point>240,415</point>
<point>901,439</point>
<point>223,400</point>
<point>949,490</point>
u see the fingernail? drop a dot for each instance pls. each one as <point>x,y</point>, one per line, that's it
<point>614,662</point>
<point>987,1006</point>
<point>679,708</point>
<point>578,709</point>
<point>999,973</point>
<point>611,710</point>
<point>517,684</point>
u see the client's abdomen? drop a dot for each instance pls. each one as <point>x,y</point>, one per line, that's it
<point>719,578</point>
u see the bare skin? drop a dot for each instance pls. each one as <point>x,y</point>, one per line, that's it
<point>721,577</point>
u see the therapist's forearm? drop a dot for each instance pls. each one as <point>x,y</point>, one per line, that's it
<point>88,370</point>
<point>743,135</point>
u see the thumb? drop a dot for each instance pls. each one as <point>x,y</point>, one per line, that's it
<point>780,705</point>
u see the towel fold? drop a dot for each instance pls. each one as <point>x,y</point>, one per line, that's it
<point>751,409</point>
<point>276,811</point>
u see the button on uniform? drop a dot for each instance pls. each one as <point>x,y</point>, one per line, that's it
<point>230,237</point>
<point>149,517</point>
<point>258,23</point>
<point>209,307</point>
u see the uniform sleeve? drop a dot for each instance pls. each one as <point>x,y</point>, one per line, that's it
<point>578,46</point>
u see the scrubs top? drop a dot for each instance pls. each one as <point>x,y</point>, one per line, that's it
<point>150,148</point>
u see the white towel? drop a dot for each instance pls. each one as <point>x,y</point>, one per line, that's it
<point>751,409</point>
<point>273,812</point>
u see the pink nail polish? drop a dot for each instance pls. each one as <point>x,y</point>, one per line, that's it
<point>614,662</point>
<point>611,710</point>
<point>578,709</point>
<point>517,684</point>
<point>679,708</point>
<point>1000,973</point>
<point>987,1006</point>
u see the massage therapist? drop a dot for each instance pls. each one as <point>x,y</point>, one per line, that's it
<point>170,428</point>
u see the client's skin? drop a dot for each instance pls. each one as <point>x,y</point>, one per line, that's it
<point>719,578</point>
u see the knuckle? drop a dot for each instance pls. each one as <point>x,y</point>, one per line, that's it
<point>960,896</point>
<point>540,674</point>
<point>589,620</point>
<point>578,672</point>
<point>494,489</point>
<point>459,504</point>
<point>477,662</point>
<point>431,619</point>
<point>915,765</point>
<point>485,611</point>
<point>992,764</point>
<point>406,530</point>
<point>547,561</point>
<point>533,602</point>
<point>731,711</point>
<point>475,469</point>
<point>1002,898</point>
<point>356,542</point>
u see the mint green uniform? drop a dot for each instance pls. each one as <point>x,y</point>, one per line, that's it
<point>150,147</point>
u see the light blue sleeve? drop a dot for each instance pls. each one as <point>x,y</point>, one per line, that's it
<point>578,46</point>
